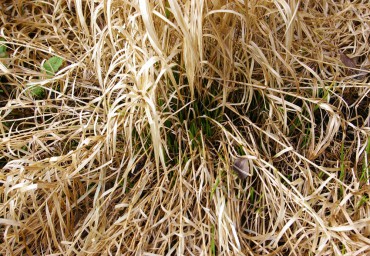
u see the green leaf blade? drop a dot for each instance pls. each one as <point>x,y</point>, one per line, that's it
<point>52,65</point>
<point>3,52</point>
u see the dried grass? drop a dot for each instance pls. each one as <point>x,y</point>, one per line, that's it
<point>131,148</point>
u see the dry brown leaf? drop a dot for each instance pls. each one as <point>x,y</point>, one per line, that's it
<point>347,61</point>
<point>352,68</point>
<point>241,167</point>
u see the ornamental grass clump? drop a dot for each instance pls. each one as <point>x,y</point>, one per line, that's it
<point>184,127</point>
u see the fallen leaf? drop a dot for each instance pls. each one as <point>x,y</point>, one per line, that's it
<point>350,63</point>
<point>347,61</point>
<point>241,167</point>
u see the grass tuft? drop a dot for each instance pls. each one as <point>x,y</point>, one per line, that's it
<point>121,123</point>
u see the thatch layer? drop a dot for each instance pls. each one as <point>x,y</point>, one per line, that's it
<point>184,127</point>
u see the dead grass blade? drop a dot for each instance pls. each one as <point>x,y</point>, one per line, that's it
<point>184,127</point>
